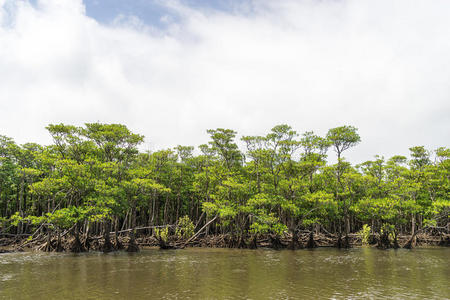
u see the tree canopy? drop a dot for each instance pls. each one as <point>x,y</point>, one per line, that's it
<point>94,178</point>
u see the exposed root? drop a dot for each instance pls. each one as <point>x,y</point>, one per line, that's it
<point>339,243</point>
<point>59,241</point>
<point>59,247</point>
<point>395,243</point>
<point>253,243</point>
<point>384,242</point>
<point>241,243</point>
<point>311,243</point>
<point>295,243</point>
<point>118,245</point>
<point>276,242</point>
<point>346,243</point>
<point>164,245</point>
<point>411,243</point>
<point>132,245</point>
<point>48,244</point>
<point>444,241</point>
<point>76,246</point>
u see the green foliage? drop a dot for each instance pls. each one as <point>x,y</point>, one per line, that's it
<point>364,233</point>
<point>162,233</point>
<point>96,175</point>
<point>185,228</point>
<point>267,224</point>
<point>15,219</point>
<point>3,221</point>
<point>343,137</point>
<point>388,229</point>
<point>67,217</point>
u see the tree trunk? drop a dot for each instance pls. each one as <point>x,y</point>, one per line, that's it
<point>76,245</point>
<point>132,245</point>
<point>59,247</point>
<point>48,246</point>
<point>253,244</point>
<point>86,237</point>
<point>311,243</point>
<point>275,242</point>
<point>412,242</point>
<point>295,243</point>
<point>107,246</point>
<point>118,245</point>
<point>347,223</point>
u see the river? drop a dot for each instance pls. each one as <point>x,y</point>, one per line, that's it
<point>324,273</point>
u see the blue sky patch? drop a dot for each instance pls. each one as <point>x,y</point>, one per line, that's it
<point>149,11</point>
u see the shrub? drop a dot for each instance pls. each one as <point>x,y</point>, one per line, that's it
<point>185,228</point>
<point>364,233</point>
<point>162,233</point>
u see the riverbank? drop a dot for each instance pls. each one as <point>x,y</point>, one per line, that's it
<point>304,240</point>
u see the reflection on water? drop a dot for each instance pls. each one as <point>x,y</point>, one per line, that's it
<point>229,274</point>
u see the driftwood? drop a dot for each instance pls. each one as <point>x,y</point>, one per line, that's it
<point>199,220</point>
<point>412,241</point>
<point>141,228</point>
<point>198,232</point>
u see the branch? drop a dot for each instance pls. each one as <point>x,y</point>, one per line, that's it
<point>198,232</point>
<point>141,228</point>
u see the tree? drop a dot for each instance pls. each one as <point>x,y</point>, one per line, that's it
<point>94,177</point>
<point>342,138</point>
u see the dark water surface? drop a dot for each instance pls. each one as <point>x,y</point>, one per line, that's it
<point>361,273</point>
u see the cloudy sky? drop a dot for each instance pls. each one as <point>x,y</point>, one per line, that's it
<point>172,69</point>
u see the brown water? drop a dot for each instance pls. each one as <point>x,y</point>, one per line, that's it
<point>229,274</point>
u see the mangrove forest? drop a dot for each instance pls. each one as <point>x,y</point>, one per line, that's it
<point>93,188</point>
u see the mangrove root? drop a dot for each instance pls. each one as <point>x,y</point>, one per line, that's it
<point>311,243</point>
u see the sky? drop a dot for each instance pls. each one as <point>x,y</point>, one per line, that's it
<point>172,69</point>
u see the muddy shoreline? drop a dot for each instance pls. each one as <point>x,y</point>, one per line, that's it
<point>304,240</point>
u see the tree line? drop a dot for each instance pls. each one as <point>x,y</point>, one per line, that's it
<point>93,180</point>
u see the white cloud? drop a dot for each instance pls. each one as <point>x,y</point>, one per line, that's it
<point>381,66</point>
